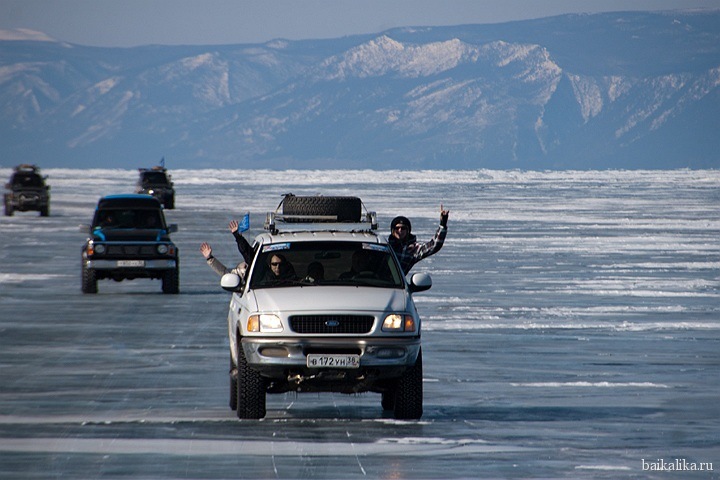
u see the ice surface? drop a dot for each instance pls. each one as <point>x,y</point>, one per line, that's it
<point>571,332</point>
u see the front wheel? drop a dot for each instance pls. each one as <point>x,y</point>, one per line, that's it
<point>171,281</point>
<point>89,280</point>
<point>250,389</point>
<point>233,385</point>
<point>409,393</point>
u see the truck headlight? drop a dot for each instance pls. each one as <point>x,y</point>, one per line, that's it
<point>99,248</point>
<point>162,249</point>
<point>396,322</point>
<point>264,322</point>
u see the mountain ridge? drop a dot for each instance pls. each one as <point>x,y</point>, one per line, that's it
<point>566,92</point>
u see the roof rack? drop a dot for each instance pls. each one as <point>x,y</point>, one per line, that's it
<point>157,168</point>
<point>279,223</point>
<point>320,213</point>
<point>26,167</point>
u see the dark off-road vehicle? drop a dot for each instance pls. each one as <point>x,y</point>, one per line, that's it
<point>27,191</point>
<point>129,239</point>
<point>157,182</point>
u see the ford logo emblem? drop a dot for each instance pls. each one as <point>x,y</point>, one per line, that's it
<point>332,323</point>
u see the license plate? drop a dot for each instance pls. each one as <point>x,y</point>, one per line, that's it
<point>315,360</point>
<point>131,263</point>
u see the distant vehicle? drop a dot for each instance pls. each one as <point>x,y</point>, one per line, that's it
<point>129,239</point>
<point>324,307</point>
<point>157,182</point>
<point>27,191</point>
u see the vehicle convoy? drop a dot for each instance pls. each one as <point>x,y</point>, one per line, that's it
<point>324,307</point>
<point>27,191</point>
<point>129,239</point>
<point>157,182</point>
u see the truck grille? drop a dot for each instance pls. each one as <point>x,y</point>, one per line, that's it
<point>331,323</point>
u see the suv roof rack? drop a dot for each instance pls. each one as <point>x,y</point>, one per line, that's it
<point>157,168</point>
<point>320,213</point>
<point>278,223</point>
<point>26,167</point>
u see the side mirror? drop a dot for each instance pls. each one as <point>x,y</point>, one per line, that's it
<point>420,282</point>
<point>230,282</point>
<point>172,228</point>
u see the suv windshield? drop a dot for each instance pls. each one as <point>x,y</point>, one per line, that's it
<point>325,263</point>
<point>27,180</point>
<point>154,178</point>
<point>127,218</point>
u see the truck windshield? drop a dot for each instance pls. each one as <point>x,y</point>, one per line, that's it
<point>128,218</point>
<point>325,263</point>
<point>154,178</point>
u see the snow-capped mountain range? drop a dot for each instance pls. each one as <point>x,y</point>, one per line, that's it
<point>620,90</point>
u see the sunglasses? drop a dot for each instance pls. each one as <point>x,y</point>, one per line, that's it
<point>401,227</point>
<point>276,264</point>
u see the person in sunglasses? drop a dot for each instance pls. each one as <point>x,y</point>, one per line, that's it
<point>405,245</point>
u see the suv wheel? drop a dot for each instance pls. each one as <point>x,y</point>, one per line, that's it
<point>89,280</point>
<point>347,209</point>
<point>171,281</point>
<point>409,393</point>
<point>233,385</point>
<point>388,400</point>
<point>250,389</point>
<point>8,207</point>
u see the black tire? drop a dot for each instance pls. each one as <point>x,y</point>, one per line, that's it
<point>251,391</point>
<point>45,211</point>
<point>89,280</point>
<point>347,209</point>
<point>8,208</point>
<point>409,393</point>
<point>388,400</point>
<point>233,385</point>
<point>171,281</point>
<point>170,204</point>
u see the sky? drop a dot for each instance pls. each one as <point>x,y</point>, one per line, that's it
<point>127,23</point>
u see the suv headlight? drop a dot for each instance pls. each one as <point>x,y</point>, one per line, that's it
<point>264,322</point>
<point>396,322</point>
<point>162,249</point>
<point>99,248</point>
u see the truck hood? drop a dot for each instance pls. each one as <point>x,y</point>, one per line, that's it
<point>130,235</point>
<point>320,299</point>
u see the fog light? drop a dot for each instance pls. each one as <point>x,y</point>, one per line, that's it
<point>277,352</point>
<point>390,353</point>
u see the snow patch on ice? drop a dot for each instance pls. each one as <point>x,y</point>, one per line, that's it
<point>27,277</point>
<point>591,385</point>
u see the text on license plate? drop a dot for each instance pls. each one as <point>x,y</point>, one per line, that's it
<point>315,360</point>
<point>131,263</point>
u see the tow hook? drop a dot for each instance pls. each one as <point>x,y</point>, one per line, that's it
<point>298,379</point>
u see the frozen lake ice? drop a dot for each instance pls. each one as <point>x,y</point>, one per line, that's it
<point>573,331</point>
